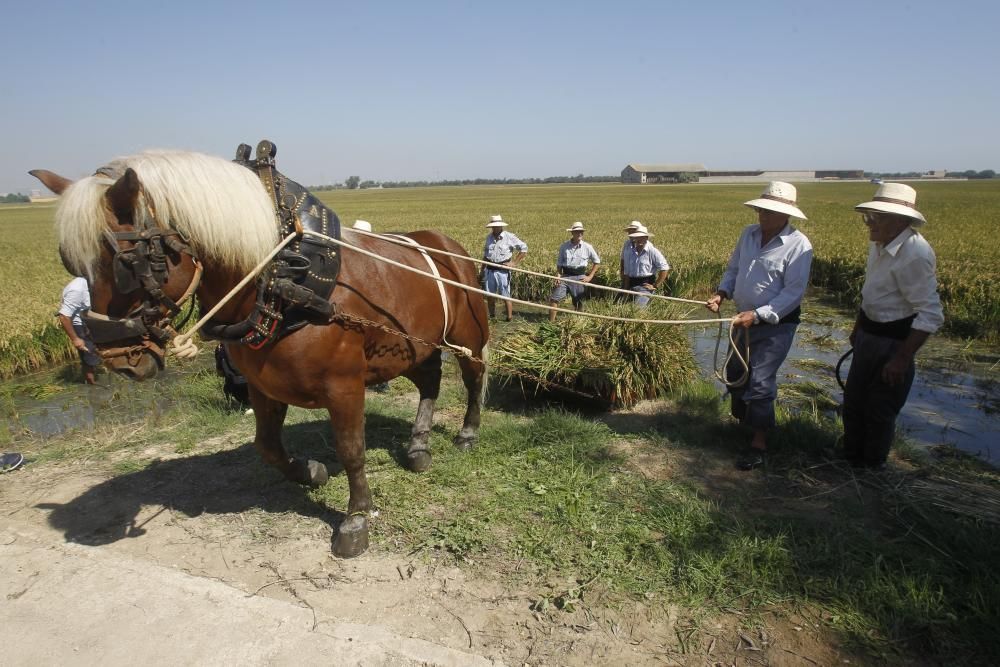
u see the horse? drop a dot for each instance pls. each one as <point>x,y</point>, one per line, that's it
<point>213,218</point>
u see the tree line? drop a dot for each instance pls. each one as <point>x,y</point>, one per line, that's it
<point>968,173</point>
<point>355,182</point>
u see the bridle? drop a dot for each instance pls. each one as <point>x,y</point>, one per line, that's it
<point>142,266</point>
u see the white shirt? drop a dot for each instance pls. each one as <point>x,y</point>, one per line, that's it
<point>75,300</point>
<point>649,262</point>
<point>900,281</point>
<point>500,250</point>
<point>576,256</point>
<point>770,280</point>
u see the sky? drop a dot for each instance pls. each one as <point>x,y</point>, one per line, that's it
<point>447,90</point>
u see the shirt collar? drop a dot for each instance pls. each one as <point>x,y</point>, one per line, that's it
<point>787,230</point>
<point>894,245</point>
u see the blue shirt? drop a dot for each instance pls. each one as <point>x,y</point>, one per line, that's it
<point>500,250</point>
<point>576,256</point>
<point>649,262</point>
<point>769,280</point>
<point>75,300</point>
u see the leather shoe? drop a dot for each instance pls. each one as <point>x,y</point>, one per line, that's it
<point>751,458</point>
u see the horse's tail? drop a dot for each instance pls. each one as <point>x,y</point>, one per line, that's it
<point>486,374</point>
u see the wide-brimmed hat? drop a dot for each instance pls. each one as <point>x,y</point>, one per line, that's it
<point>632,226</point>
<point>363,225</point>
<point>640,231</point>
<point>895,198</point>
<point>577,227</point>
<point>496,221</point>
<point>780,197</point>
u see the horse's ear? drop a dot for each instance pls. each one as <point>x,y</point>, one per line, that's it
<point>52,181</point>
<point>124,193</point>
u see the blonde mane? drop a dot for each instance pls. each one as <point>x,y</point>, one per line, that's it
<point>221,208</point>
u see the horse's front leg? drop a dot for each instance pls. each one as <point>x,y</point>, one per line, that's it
<point>347,417</point>
<point>270,416</point>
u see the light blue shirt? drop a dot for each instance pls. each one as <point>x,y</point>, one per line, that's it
<point>769,280</point>
<point>577,256</point>
<point>500,250</point>
<point>75,300</point>
<point>649,262</point>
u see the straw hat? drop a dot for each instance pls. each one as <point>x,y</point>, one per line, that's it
<point>780,197</point>
<point>632,226</point>
<point>896,198</point>
<point>640,230</point>
<point>363,225</point>
<point>496,221</point>
<point>577,227</point>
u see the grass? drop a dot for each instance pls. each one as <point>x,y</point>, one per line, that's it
<point>695,225</point>
<point>638,505</point>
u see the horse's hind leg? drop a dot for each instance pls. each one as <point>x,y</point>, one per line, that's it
<point>474,376</point>
<point>427,378</point>
<point>270,416</point>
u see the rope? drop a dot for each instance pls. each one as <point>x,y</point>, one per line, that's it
<point>508,267</point>
<point>744,358</point>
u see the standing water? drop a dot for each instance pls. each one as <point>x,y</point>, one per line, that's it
<point>955,399</point>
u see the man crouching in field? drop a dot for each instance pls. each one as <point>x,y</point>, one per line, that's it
<point>766,276</point>
<point>900,309</point>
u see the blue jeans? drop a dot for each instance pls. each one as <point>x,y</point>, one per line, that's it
<point>497,281</point>
<point>753,401</point>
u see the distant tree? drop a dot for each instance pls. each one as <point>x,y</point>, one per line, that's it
<point>368,184</point>
<point>986,173</point>
<point>14,198</point>
<point>352,182</point>
<point>687,177</point>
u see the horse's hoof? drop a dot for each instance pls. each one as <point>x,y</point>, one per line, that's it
<point>311,473</point>
<point>419,459</point>
<point>465,442</point>
<point>352,537</point>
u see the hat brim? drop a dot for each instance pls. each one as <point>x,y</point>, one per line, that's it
<point>895,209</point>
<point>575,229</point>
<point>777,207</point>
<point>635,235</point>
<point>496,224</point>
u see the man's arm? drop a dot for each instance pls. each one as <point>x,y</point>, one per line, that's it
<point>594,268</point>
<point>67,326</point>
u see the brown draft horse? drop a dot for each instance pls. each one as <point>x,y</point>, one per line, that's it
<point>220,213</point>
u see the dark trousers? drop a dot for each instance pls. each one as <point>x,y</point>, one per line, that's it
<point>753,401</point>
<point>870,405</point>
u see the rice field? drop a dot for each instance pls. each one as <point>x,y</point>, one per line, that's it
<point>695,225</point>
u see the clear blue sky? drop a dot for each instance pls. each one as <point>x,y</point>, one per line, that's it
<point>432,90</point>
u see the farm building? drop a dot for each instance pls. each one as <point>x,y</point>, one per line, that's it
<point>675,173</point>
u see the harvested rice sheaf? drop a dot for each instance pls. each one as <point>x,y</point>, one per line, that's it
<point>618,363</point>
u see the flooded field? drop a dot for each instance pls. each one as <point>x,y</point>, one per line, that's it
<point>955,399</point>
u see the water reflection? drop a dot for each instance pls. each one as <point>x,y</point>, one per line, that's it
<point>955,399</point>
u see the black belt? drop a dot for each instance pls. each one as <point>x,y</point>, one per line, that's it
<point>640,280</point>
<point>493,268</point>
<point>793,317</point>
<point>573,271</point>
<point>897,329</point>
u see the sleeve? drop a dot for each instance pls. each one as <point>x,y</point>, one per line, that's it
<point>918,285</point>
<point>520,245</point>
<point>594,257</point>
<point>71,303</point>
<point>660,263</point>
<point>796,279</point>
<point>486,247</point>
<point>728,283</point>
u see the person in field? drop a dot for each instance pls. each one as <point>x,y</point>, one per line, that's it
<point>900,309</point>
<point>766,276</point>
<point>627,246</point>
<point>643,266</point>
<point>75,302</point>
<point>501,247</point>
<point>576,265</point>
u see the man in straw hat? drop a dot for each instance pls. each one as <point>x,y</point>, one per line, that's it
<point>572,260</point>
<point>644,267</point>
<point>501,247</point>
<point>766,276</point>
<point>900,309</point>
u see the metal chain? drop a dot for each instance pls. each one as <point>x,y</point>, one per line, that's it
<point>357,319</point>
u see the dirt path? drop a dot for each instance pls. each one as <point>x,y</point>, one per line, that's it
<point>150,570</point>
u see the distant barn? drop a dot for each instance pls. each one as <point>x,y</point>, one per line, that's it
<point>683,173</point>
